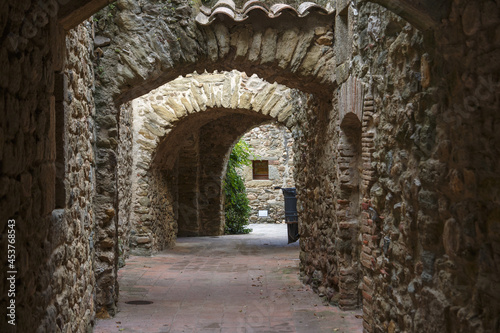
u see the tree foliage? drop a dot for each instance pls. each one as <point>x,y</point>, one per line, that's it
<point>237,206</point>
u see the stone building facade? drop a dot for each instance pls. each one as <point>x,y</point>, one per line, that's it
<point>273,146</point>
<point>392,105</point>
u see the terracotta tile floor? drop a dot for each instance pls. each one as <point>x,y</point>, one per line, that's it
<point>235,284</point>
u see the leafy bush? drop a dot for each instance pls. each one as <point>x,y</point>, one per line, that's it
<point>237,208</point>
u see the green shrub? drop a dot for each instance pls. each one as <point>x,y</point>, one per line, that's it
<point>237,208</point>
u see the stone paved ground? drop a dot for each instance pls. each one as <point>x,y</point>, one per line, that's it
<point>235,284</point>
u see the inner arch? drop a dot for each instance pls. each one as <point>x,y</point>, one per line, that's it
<point>184,132</point>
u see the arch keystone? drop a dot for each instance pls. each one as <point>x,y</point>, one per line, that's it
<point>236,93</point>
<point>217,93</point>
<point>207,88</point>
<point>230,89</point>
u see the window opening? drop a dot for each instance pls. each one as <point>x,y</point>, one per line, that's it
<point>260,169</point>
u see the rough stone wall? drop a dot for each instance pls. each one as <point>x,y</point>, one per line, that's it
<point>425,247</point>
<point>27,153</point>
<point>391,256</point>
<point>72,262</point>
<point>315,139</point>
<point>436,112</point>
<point>124,166</point>
<point>273,143</point>
<point>145,192</point>
<point>54,283</point>
<point>328,157</point>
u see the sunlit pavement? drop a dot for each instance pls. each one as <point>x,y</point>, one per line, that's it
<point>238,284</point>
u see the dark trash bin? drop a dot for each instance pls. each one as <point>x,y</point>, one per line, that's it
<point>291,215</point>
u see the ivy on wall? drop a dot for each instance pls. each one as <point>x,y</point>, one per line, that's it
<point>237,207</point>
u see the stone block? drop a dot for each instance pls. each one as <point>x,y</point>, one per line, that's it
<point>212,47</point>
<point>348,304</point>
<point>154,129</point>
<point>304,41</point>
<point>253,53</point>
<point>311,60</point>
<point>366,260</point>
<point>199,96</point>
<point>241,39</point>
<point>266,109</point>
<point>100,41</point>
<point>286,112</point>
<point>367,296</point>
<point>342,73</point>
<point>368,327</point>
<point>207,89</point>
<point>176,105</point>
<point>187,104</point>
<point>286,46</point>
<point>223,39</point>
<point>263,96</point>
<point>366,249</point>
<point>281,104</point>
<point>342,5</point>
<point>366,229</point>
<point>106,243</point>
<point>268,50</point>
<point>217,94</point>
<point>235,92</point>
<point>143,239</point>
<point>227,91</point>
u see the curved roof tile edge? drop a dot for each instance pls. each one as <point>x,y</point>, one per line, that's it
<point>227,7</point>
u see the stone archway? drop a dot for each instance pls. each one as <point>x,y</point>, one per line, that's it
<point>143,53</point>
<point>182,138</point>
<point>438,168</point>
<point>146,48</point>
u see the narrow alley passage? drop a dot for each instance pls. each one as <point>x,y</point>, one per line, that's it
<point>237,283</point>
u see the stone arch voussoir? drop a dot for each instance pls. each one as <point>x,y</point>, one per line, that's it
<point>144,54</point>
<point>164,113</point>
<point>172,102</point>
